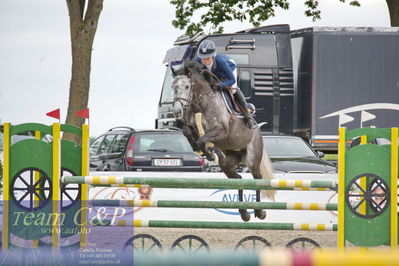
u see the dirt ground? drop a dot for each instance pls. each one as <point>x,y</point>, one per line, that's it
<point>216,239</point>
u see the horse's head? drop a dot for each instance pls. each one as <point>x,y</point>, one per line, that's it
<point>181,86</point>
<point>188,80</point>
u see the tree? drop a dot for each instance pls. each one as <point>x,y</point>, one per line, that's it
<point>393,7</point>
<point>255,11</point>
<point>83,20</point>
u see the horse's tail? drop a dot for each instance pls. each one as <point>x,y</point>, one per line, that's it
<point>266,171</point>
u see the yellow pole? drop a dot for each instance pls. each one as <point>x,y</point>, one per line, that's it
<point>6,185</point>
<point>353,257</point>
<point>36,199</point>
<point>363,181</point>
<point>84,187</point>
<point>394,188</point>
<point>341,188</point>
<point>55,232</point>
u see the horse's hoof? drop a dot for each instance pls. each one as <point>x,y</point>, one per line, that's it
<point>261,214</point>
<point>220,154</point>
<point>199,153</point>
<point>245,215</point>
<point>210,156</point>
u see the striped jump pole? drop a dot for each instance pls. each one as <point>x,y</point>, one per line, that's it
<point>276,257</point>
<point>214,225</point>
<point>203,183</point>
<point>215,204</point>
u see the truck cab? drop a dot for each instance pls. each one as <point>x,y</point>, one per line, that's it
<point>265,74</point>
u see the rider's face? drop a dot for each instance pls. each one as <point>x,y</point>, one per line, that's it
<point>207,61</point>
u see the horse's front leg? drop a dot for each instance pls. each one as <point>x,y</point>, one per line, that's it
<point>206,141</point>
<point>192,138</point>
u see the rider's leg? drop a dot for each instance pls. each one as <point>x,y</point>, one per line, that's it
<point>241,100</point>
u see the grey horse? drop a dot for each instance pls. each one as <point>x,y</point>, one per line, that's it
<point>211,129</point>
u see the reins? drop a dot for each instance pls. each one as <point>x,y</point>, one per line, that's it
<point>212,75</point>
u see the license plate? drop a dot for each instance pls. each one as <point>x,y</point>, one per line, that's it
<point>167,162</point>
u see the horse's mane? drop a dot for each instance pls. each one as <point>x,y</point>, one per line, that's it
<point>202,76</point>
<point>193,65</point>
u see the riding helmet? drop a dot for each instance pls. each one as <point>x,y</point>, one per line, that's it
<point>207,49</point>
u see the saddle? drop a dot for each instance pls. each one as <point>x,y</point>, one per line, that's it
<point>231,104</point>
<point>228,97</point>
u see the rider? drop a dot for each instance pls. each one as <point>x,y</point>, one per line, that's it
<point>225,69</point>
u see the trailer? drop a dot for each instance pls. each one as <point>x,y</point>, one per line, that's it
<point>344,77</point>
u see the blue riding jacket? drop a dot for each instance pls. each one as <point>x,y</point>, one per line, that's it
<point>223,67</point>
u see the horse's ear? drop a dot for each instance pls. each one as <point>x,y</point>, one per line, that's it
<point>187,67</point>
<point>187,71</point>
<point>172,69</point>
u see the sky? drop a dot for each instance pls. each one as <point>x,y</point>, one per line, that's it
<point>127,71</point>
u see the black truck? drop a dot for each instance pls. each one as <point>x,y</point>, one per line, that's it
<point>306,82</point>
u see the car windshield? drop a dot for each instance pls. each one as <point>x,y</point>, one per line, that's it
<point>162,142</point>
<point>167,92</point>
<point>286,147</point>
<point>382,141</point>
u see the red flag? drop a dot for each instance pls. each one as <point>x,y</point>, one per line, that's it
<point>83,113</point>
<point>54,114</point>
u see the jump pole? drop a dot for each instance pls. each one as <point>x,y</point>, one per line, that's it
<point>273,257</point>
<point>205,183</point>
<point>215,204</point>
<point>215,225</point>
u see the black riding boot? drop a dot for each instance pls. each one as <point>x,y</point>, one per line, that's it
<point>241,100</point>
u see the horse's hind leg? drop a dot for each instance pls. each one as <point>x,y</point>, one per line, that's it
<point>261,214</point>
<point>243,212</point>
<point>228,164</point>
<point>253,163</point>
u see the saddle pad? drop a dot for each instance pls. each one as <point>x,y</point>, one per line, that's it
<point>229,104</point>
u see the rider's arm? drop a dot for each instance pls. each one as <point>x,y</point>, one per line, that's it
<point>225,68</point>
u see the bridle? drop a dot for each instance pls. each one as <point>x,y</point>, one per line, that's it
<point>184,101</point>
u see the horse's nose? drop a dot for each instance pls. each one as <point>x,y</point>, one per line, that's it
<point>178,111</point>
<point>178,114</point>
